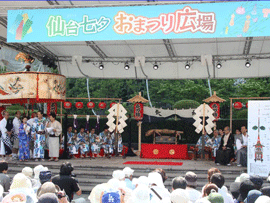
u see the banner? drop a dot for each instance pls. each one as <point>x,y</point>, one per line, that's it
<point>205,20</point>
<point>258,138</point>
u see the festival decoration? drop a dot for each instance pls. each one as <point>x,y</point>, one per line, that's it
<point>120,113</point>
<point>67,105</point>
<point>111,104</point>
<point>102,105</point>
<point>247,105</point>
<point>87,125</point>
<point>214,101</point>
<point>32,87</point>
<point>75,122</point>
<point>238,105</point>
<point>79,105</point>
<point>91,105</point>
<point>138,111</point>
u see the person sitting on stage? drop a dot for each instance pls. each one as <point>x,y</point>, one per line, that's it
<point>108,145</point>
<point>241,145</point>
<point>73,145</point>
<point>215,142</point>
<point>95,143</point>
<point>70,134</point>
<point>207,144</point>
<point>226,150</point>
<point>104,134</point>
<point>82,139</point>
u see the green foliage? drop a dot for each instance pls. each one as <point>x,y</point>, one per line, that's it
<point>240,114</point>
<point>186,104</point>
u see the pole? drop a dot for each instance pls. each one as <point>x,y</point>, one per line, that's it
<point>61,111</point>
<point>116,134</point>
<point>203,131</point>
<point>65,154</point>
<point>140,136</point>
<point>231,114</point>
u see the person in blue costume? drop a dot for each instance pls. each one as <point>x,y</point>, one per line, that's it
<point>24,139</point>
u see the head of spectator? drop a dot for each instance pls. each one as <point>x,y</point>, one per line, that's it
<point>215,197</point>
<point>18,114</point>
<point>48,198</point>
<point>20,181</point>
<point>243,177</point>
<point>208,188</point>
<point>28,172</point>
<point>237,132</point>
<point>114,183</point>
<point>107,196</point>
<point>245,187</point>
<point>252,196</point>
<point>212,171</point>
<point>243,130</point>
<point>179,196</point>
<point>3,167</point>
<point>48,187</point>
<point>119,175</point>
<point>45,176</point>
<point>162,173</point>
<point>128,172</point>
<point>37,170</point>
<point>141,194</point>
<point>96,192</point>
<point>266,191</point>
<point>143,180</point>
<point>66,169</point>
<point>191,179</point>
<point>155,179</point>
<point>217,179</point>
<point>257,181</point>
<point>15,198</point>
<point>263,199</point>
<point>39,115</point>
<point>179,182</point>
<point>235,189</point>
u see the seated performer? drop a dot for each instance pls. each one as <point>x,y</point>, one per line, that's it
<point>241,145</point>
<point>73,145</point>
<point>207,144</point>
<point>226,150</point>
<point>82,139</point>
<point>108,145</point>
<point>120,145</point>
<point>215,142</point>
<point>95,143</point>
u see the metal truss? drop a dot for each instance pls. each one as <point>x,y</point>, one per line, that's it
<point>247,45</point>
<point>97,49</point>
<point>169,47</point>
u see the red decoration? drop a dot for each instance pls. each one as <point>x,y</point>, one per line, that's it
<point>79,105</point>
<point>113,103</point>
<point>91,105</point>
<point>102,105</point>
<point>238,105</point>
<point>1,111</point>
<point>138,111</point>
<point>216,108</point>
<point>164,151</point>
<point>51,107</point>
<point>247,105</point>
<point>67,105</point>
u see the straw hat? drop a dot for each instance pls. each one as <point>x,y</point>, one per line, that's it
<point>128,171</point>
<point>20,181</point>
<point>118,174</point>
<point>27,171</point>
<point>37,170</point>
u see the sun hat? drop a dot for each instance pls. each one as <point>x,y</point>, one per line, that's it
<point>215,197</point>
<point>37,170</point>
<point>191,179</point>
<point>118,174</point>
<point>27,171</point>
<point>179,196</point>
<point>96,192</point>
<point>48,198</point>
<point>128,171</point>
<point>155,178</point>
<point>141,194</point>
<point>20,198</point>
<point>48,187</point>
<point>263,199</point>
<point>20,181</point>
<point>143,180</point>
<point>114,183</point>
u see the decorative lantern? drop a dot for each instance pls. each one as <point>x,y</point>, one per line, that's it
<point>111,104</point>
<point>138,111</point>
<point>238,105</point>
<point>216,108</point>
<point>102,105</point>
<point>247,105</point>
<point>67,105</point>
<point>79,105</point>
<point>91,105</point>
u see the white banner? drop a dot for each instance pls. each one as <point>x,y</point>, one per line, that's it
<point>259,138</point>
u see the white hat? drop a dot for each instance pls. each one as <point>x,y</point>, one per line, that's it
<point>243,177</point>
<point>37,170</point>
<point>20,181</point>
<point>118,174</point>
<point>128,171</point>
<point>27,171</point>
<point>263,199</point>
<point>237,179</point>
<point>179,196</point>
<point>155,178</point>
<point>141,194</point>
<point>114,183</point>
<point>95,194</point>
<point>143,180</point>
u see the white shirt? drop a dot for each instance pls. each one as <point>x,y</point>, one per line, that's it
<point>193,194</point>
<point>3,124</point>
<point>16,125</point>
<point>226,196</point>
<point>226,138</point>
<point>245,139</point>
<point>31,121</point>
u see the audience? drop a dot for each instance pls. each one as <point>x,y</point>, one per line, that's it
<point>4,178</point>
<point>193,194</point>
<point>179,183</point>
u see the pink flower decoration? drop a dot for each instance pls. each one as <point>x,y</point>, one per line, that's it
<point>240,10</point>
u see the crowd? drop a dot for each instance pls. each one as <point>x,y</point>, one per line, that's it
<point>24,138</point>
<point>38,186</point>
<point>225,147</point>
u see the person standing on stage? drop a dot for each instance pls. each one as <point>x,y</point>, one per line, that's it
<point>6,131</point>
<point>226,148</point>
<point>241,144</point>
<point>38,133</point>
<point>23,137</point>
<point>54,137</point>
<point>16,125</point>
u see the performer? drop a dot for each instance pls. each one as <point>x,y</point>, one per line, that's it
<point>226,150</point>
<point>73,145</point>
<point>6,131</point>
<point>54,133</point>
<point>241,145</point>
<point>215,142</point>
<point>16,126</point>
<point>38,133</point>
<point>103,134</point>
<point>120,145</point>
<point>32,141</point>
<point>95,143</point>
<point>24,138</point>
<point>70,134</point>
<point>82,139</point>
<point>108,145</point>
<point>207,142</point>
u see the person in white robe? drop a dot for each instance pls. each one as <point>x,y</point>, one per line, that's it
<point>16,125</point>
<point>54,130</point>
<point>5,144</point>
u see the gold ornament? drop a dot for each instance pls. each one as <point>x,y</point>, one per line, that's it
<point>172,152</point>
<point>155,151</point>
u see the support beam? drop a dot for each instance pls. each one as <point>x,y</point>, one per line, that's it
<point>97,49</point>
<point>47,52</point>
<point>247,45</point>
<point>169,47</point>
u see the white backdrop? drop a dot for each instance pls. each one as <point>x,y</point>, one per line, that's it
<point>259,128</point>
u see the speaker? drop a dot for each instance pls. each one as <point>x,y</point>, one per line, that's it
<point>46,60</point>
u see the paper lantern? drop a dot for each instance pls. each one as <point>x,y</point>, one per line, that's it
<point>216,108</point>
<point>238,105</point>
<point>79,105</point>
<point>138,111</point>
<point>102,105</point>
<point>91,105</point>
<point>67,105</point>
<point>111,104</point>
<point>247,105</point>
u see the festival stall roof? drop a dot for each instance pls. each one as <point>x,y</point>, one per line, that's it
<point>171,55</point>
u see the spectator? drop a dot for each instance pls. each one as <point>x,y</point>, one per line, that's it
<point>143,180</point>
<point>36,181</point>
<point>257,181</point>
<point>96,192</point>
<point>245,187</point>
<point>179,196</point>
<point>45,176</point>
<point>66,182</point>
<point>141,195</point>
<point>218,180</point>
<point>162,173</point>
<point>4,178</point>
<point>48,198</point>
<point>179,182</point>
<point>208,188</point>
<point>23,140</point>
<point>193,194</point>
<point>235,190</point>
<point>252,196</point>
<point>215,198</point>
<point>263,199</point>
<point>129,174</point>
<point>28,172</point>
<point>266,191</point>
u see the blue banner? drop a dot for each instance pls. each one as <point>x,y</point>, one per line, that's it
<point>205,20</point>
